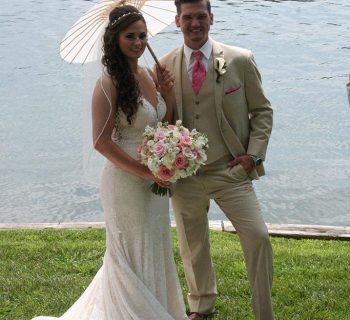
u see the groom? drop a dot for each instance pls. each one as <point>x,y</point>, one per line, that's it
<point>218,92</point>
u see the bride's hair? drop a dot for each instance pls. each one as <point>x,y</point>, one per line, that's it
<point>116,63</point>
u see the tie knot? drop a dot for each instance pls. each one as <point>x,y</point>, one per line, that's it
<point>197,55</point>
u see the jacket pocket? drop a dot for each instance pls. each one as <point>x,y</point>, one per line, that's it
<point>233,89</point>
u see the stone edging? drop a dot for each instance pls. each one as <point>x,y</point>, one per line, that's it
<point>298,231</point>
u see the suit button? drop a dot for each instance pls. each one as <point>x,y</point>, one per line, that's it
<point>197,116</point>
<point>197,102</point>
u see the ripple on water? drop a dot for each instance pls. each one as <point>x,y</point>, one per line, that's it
<point>301,48</point>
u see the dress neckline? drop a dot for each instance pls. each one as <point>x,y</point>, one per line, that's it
<point>159,102</point>
<point>151,104</point>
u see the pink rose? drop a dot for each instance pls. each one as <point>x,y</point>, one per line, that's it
<point>159,134</point>
<point>164,173</point>
<point>185,140</point>
<point>159,149</point>
<point>181,161</point>
<point>196,153</point>
<point>171,127</point>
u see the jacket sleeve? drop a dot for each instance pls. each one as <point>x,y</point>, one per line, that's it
<point>259,108</point>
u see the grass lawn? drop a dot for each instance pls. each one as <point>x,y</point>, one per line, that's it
<point>44,272</point>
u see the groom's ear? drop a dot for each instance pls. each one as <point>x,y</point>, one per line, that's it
<point>211,19</point>
<point>177,20</point>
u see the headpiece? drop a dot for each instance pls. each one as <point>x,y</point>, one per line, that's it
<point>114,22</point>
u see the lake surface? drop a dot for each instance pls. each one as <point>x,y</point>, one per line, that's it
<point>303,52</point>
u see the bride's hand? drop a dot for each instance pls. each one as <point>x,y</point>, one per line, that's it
<point>165,79</point>
<point>162,183</point>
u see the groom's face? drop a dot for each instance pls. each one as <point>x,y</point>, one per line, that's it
<point>194,20</point>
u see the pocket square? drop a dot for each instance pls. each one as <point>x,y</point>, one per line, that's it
<point>233,89</point>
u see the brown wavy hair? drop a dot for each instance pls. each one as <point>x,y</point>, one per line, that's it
<point>113,59</point>
<point>178,4</point>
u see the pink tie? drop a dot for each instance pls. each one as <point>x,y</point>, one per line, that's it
<point>198,72</point>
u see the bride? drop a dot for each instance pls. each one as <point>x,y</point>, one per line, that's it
<point>138,278</point>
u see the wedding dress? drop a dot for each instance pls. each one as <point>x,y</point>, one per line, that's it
<point>138,278</point>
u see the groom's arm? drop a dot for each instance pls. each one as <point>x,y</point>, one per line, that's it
<point>164,80</point>
<point>259,108</point>
<point>167,61</point>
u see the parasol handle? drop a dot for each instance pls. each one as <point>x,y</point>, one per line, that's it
<point>153,55</point>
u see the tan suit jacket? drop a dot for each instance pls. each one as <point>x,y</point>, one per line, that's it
<point>243,112</point>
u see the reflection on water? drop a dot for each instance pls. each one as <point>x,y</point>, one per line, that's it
<point>302,49</point>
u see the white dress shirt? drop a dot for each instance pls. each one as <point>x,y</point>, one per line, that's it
<point>206,50</point>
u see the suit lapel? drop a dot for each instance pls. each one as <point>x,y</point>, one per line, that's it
<point>218,86</point>
<point>178,83</point>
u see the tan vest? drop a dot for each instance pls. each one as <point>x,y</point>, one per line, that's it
<point>199,112</point>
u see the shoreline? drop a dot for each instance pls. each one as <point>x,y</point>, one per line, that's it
<point>296,231</point>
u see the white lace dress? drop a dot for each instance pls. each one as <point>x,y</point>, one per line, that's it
<point>138,278</point>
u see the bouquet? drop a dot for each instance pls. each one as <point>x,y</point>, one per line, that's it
<point>172,152</point>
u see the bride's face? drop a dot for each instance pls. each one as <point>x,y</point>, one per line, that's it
<point>133,40</point>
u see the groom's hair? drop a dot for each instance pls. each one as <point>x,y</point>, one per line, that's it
<point>178,4</point>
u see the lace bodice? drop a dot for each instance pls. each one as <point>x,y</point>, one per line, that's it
<point>129,137</point>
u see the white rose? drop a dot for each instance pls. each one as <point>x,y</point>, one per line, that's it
<point>153,164</point>
<point>220,66</point>
<point>150,143</point>
<point>168,160</point>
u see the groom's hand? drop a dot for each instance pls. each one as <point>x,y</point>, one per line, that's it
<point>245,161</point>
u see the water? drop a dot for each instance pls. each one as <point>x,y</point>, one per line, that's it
<point>303,52</point>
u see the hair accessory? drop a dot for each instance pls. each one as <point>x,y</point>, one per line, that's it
<point>111,24</point>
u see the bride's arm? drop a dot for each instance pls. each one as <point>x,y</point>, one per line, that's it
<point>103,120</point>
<point>170,102</point>
<point>165,84</point>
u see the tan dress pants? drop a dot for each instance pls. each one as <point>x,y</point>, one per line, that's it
<point>233,191</point>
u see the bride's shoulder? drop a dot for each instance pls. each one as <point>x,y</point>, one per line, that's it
<point>106,80</point>
<point>105,88</point>
<point>106,83</point>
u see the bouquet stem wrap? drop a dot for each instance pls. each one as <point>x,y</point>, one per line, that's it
<point>160,191</point>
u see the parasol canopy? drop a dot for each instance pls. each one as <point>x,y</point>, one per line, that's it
<point>82,41</point>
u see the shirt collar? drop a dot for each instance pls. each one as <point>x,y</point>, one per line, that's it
<point>206,49</point>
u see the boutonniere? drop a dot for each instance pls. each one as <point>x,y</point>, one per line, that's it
<point>220,68</point>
